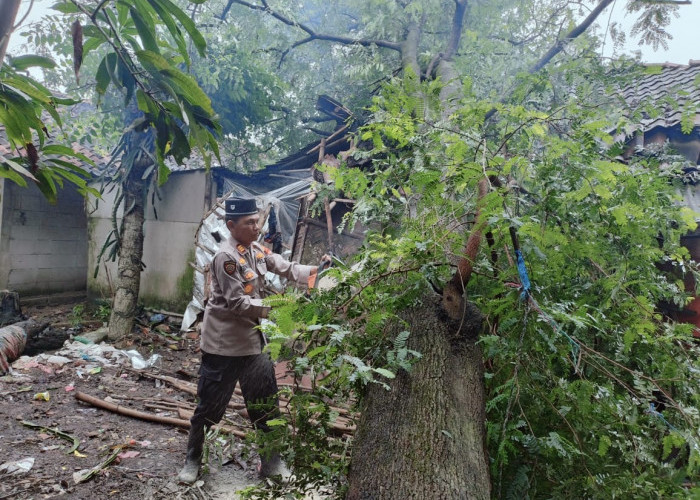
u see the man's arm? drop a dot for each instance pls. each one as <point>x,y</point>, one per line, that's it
<point>293,271</point>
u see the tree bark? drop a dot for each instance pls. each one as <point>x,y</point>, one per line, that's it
<point>129,266</point>
<point>8,13</point>
<point>137,158</point>
<point>425,437</point>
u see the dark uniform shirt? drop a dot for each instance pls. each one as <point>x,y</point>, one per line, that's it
<point>235,305</point>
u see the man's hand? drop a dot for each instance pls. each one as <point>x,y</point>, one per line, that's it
<point>326,261</point>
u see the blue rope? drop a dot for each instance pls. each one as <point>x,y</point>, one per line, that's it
<point>575,349</point>
<point>524,279</point>
<point>652,411</point>
<point>525,295</point>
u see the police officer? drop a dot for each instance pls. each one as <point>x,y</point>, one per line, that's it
<point>231,343</point>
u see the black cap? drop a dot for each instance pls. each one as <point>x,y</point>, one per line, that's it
<point>240,206</point>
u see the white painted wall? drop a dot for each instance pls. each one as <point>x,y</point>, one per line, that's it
<point>168,241</point>
<point>43,247</point>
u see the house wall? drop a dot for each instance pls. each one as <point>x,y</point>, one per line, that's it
<point>43,247</point>
<point>168,248</point>
<point>687,145</point>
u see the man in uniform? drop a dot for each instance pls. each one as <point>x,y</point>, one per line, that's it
<point>231,343</point>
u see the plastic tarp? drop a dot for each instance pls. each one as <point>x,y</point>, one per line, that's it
<point>284,209</point>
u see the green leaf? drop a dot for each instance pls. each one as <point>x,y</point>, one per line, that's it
<point>58,149</point>
<point>31,61</point>
<point>47,185</point>
<point>66,7</point>
<point>163,172</point>
<point>127,80</point>
<point>384,372</point>
<point>146,31</point>
<point>36,92</point>
<point>604,445</point>
<point>103,74</point>
<point>10,173</point>
<point>73,178</point>
<point>276,422</point>
<point>188,24</point>
<point>179,146</point>
<point>146,103</point>
<point>91,44</point>
<point>316,351</point>
<point>184,85</point>
<point>17,167</point>
<point>172,28</point>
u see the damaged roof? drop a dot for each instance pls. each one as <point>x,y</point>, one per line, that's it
<point>673,89</point>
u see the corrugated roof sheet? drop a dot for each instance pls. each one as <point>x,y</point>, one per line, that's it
<point>679,83</point>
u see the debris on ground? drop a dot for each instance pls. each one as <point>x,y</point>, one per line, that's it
<point>89,420</point>
<point>54,443</point>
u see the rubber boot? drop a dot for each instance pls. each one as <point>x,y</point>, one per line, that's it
<point>195,443</point>
<point>272,466</point>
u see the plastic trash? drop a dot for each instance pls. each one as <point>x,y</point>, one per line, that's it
<point>157,318</point>
<point>138,361</point>
<point>18,467</point>
<point>42,396</point>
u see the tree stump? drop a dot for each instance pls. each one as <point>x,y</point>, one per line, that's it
<point>10,311</point>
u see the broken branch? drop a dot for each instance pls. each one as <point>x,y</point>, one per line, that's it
<point>105,405</point>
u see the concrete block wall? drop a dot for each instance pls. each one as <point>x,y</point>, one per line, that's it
<point>168,242</point>
<point>43,247</point>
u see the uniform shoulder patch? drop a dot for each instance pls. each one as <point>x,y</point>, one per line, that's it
<point>230,267</point>
<point>259,247</point>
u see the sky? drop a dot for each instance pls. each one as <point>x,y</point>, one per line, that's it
<point>684,46</point>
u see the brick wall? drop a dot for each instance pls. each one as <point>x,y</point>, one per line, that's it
<point>43,246</point>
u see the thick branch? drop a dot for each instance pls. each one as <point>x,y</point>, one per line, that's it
<point>457,25</point>
<point>345,40</point>
<point>8,13</point>
<point>312,35</point>
<point>409,49</point>
<point>563,42</point>
<point>465,266</point>
<point>571,35</point>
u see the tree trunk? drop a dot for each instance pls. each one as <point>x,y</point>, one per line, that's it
<point>425,437</point>
<point>137,157</point>
<point>8,13</point>
<point>129,266</point>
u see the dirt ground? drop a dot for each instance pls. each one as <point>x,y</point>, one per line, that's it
<point>41,416</point>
